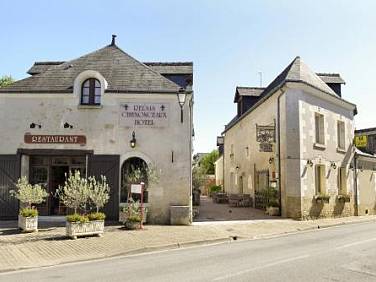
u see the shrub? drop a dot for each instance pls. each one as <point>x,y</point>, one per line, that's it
<point>96,216</point>
<point>215,188</point>
<point>77,218</point>
<point>99,192</point>
<point>273,203</point>
<point>29,212</point>
<point>133,211</point>
<point>134,218</point>
<point>29,194</point>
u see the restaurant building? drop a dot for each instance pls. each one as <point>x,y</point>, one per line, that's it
<point>104,113</point>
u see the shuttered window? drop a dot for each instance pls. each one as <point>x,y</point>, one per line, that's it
<point>341,135</point>
<point>342,185</point>
<point>320,179</point>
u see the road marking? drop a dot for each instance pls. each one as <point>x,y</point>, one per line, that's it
<point>356,243</point>
<point>260,267</point>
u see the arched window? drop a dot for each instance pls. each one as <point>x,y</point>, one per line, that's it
<point>91,92</point>
<point>133,171</point>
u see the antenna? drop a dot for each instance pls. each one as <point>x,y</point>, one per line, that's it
<point>260,75</point>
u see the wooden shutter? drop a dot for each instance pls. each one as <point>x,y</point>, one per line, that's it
<point>9,174</point>
<point>107,165</point>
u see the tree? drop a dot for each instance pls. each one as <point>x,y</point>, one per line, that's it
<point>6,80</point>
<point>207,162</point>
<point>99,192</point>
<point>29,194</point>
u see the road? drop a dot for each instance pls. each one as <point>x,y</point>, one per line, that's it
<point>342,253</point>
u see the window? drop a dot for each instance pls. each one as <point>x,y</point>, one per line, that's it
<point>91,92</point>
<point>320,179</point>
<point>319,126</point>
<point>342,187</point>
<point>341,135</point>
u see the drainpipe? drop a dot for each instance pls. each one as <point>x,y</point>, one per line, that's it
<point>356,212</point>
<point>279,147</point>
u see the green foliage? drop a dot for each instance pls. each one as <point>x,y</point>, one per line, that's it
<point>77,218</point>
<point>6,80</point>
<point>147,173</point>
<point>96,216</point>
<point>29,212</point>
<point>271,195</point>
<point>29,194</point>
<point>198,178</point>
<point>207,162</point>
<point>133,211</point>
<point>99,192</point>
<point>215,189</point>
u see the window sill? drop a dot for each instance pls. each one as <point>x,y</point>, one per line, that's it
<point>89,107</point>
<point>342,151</point>
<point>319,146</point>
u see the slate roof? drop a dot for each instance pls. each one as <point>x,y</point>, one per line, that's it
<point>122,72</point>
<point>171,67</point>
<point>331,78</point>
<point>247,91</point>
<point>296,71</point>
<point>40,67</point>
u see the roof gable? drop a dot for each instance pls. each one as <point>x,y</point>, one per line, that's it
<point>122,72</point>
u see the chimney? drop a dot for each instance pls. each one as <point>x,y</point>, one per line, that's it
<point>113,40</point>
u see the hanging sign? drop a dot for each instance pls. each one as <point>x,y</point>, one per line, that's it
<point>54,139</point>
<point>144,114</point>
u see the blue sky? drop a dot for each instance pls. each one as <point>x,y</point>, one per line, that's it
<point>228,41</point>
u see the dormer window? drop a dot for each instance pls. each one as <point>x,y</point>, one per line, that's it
<point>91,92</point>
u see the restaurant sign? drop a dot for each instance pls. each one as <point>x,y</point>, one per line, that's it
<point>54,139</point>
<point>144,114</point>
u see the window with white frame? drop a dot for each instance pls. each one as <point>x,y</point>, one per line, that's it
<point>320,179</point>
<point>341,135</point>
<point>319,127</point>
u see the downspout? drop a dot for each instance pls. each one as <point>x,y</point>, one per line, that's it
<point>279,147</point>
<point>356,212</point>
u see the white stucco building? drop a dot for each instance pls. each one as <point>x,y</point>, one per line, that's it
<point>295,135</point>
<point>84,113</point>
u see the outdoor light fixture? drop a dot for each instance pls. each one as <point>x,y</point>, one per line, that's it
<point>34,125</point>
<point>271,160</point>
<point>310,163</point>
<point>67,125</point>
<point>182,96</point>
<point>133,140</point>
<point>333,165</point>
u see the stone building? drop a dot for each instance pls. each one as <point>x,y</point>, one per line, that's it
<point>104,113</point>
<point>295,135</point>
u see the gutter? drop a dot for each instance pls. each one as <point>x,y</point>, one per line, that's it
<point>279,147</point>
<point>356,212</point>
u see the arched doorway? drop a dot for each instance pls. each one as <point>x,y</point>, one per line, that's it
<point>133,171</point>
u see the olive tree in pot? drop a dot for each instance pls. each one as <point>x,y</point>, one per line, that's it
<point>81,194</point>
<point>28,195</point>
<point>146,175</point>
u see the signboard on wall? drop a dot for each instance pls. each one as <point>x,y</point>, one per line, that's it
<point>144,114</point>
<point>361,141</point>
<point>265,135</point>
<point>54,139</point>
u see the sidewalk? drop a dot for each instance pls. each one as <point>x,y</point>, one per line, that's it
<point>50,247</point>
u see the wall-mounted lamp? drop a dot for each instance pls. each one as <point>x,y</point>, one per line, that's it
<point>237,168</point>
<point>310,163</point>
<point>67,125</point>
<point>271,160</point>
<point>133,140</point>
<point>182,96</point>
<point>333,165</point>
<point>34,125</point>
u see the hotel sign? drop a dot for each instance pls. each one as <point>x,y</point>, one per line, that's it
<point>144,114</point>
<point>54,139</point>
<point>361,141</point>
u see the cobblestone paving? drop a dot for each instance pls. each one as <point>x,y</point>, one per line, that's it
<point>50,246</point>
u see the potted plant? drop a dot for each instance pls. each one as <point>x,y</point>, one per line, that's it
<point>133,218</point>
<point>345,198</point>
<point>28,195</point>
<point>322,198</point>
<point>79,194</point>
<point>272,208</point>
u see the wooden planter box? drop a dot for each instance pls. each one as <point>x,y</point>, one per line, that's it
<point>28,224</point>
<point>76,229</point>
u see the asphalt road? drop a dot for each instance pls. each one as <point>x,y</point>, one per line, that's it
<point>343,253</point>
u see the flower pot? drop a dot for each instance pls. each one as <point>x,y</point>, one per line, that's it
<point>272,211</point>
<point>76,229</point>
<point>132,225</point>
<point>28,224</point>
<point>123,215</point>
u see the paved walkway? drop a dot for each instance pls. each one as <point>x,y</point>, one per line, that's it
<point>50,246</point>
<point>210,211</point>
